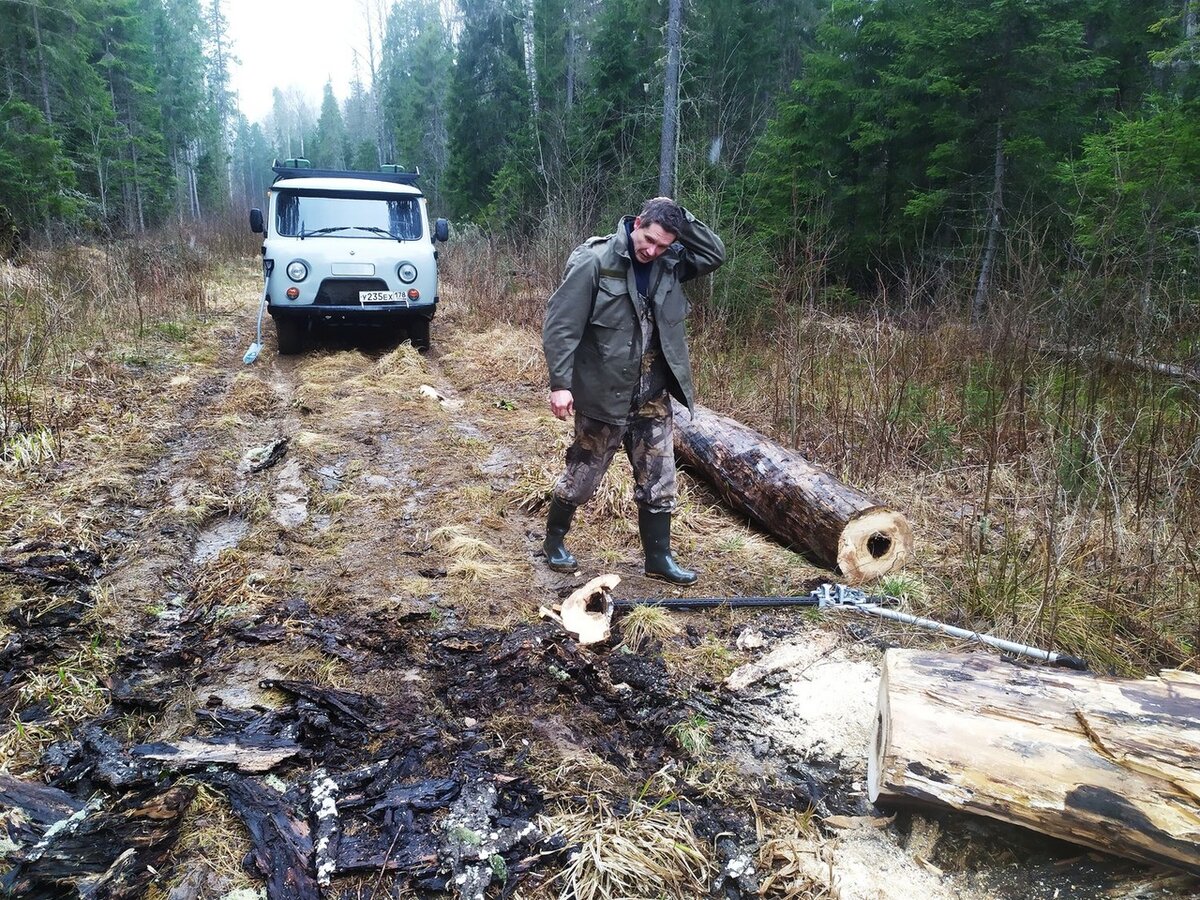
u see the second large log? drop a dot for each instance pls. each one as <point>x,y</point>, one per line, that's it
<point>799,504</point>
<point>1111,763</point>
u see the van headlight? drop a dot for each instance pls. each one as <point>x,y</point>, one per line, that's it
<point>407,272</point>
<point>296,270</point>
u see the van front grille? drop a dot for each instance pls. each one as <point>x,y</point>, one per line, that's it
<point>344,291</point>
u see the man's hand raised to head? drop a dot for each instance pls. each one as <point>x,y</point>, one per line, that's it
<point>562,404</point>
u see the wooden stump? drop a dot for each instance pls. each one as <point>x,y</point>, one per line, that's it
<point>1106,762</point>
<point>799,504</point>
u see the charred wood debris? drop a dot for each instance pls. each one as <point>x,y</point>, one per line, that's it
<point>334,783</point>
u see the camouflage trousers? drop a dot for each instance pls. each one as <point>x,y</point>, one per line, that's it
<point>649,444</point>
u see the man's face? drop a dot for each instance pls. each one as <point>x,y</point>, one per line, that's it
<point>650,242</point>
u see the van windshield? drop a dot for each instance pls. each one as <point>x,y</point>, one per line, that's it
<point>360,216</point>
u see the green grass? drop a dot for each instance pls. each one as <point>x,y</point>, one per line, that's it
<point>693,736</point>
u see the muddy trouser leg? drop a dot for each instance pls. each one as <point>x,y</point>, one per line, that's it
<point>651,448</point>
<point>588,459</point>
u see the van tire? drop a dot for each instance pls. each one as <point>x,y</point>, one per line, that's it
<point>418,333</point>
<point>289,335</point>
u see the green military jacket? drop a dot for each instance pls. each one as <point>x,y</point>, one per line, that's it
<point>590,334</point>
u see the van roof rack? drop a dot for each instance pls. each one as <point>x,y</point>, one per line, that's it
<point>393,177</point>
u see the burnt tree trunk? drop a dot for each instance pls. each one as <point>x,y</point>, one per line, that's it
<point>799,504</point>
<point>1106,762</point>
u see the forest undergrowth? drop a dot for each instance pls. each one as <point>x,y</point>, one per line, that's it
<point>1051,473</point>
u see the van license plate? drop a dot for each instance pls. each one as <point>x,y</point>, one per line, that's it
<point>365,297</point>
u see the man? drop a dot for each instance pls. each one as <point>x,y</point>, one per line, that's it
<point>617,352</point>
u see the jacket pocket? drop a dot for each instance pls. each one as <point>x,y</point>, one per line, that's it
<point>613,307</point>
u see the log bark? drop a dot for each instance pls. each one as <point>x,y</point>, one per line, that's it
<point>28,809</point>
<point>97,853</point>
<point>1109,763</point>
<point>192,753</point>
<point>283,848</point>
<point>799,504</point>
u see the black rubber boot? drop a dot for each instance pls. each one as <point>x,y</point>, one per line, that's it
<point>655,528</point>
<point>558,523</point>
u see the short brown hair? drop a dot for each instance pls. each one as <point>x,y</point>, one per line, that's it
<point>665,212</point>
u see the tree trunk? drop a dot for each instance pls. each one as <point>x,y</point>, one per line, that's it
<point>992,242</point>
<point>1105,762</point>
<point>137,180</point>
<point>530,49</point>
<point>670,123</point>
<point>41,58</point>
<point>799,504</point>
<point>571,51</point>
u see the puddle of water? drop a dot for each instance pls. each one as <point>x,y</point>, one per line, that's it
<point>376,482</point>
<point>466,429</point>
<point>291,498</point>
<point>221,535</point>
<point>330,478</point>
<point>500,462</point>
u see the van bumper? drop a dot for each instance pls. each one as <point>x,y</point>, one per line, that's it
<point>353,315</point>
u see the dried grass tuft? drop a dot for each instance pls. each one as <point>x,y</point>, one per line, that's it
<point>405,362</point>
<point>692,735</point>
<point>471,558</point>
<point>213,838</point>
<point>791,854</point>
<point>565,774</point>
<point>502,355</point>
<point>647,852</point>
<point>710,660</point>
<point>643,625</point>
<point>230,580</point>
<point>249,394</point>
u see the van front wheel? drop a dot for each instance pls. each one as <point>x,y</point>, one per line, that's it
<point>418,334</point>
<point>289,334</point>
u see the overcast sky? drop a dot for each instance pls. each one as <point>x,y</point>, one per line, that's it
<point>294,42</point>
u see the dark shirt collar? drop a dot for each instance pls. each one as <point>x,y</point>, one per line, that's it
<point>641,270</point>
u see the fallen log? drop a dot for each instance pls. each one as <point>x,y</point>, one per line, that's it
<point>1109,763</point>
<point>103,853</point>
<point>1126,361</point>
<point>27,810</point>
<point>796,502</point>
<point>282,843</point>
<point>191,753</point>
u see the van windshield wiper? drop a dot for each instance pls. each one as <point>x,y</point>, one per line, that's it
<point>374,229</point>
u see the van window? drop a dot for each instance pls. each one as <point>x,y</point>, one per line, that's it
<point>359,216</point>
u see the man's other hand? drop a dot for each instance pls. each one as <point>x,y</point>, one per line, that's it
<point>562,404</point>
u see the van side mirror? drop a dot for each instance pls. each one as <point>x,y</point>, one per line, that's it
<point>256,221</point>
<point>441,230</point>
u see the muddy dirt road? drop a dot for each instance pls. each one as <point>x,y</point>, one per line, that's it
<point>288,614</point>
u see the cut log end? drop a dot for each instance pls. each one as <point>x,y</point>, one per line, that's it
<point>874,543</point>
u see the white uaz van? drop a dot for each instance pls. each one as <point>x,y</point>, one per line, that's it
<point>347,247</point>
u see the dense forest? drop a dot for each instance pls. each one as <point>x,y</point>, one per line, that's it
<point>899,136</point>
